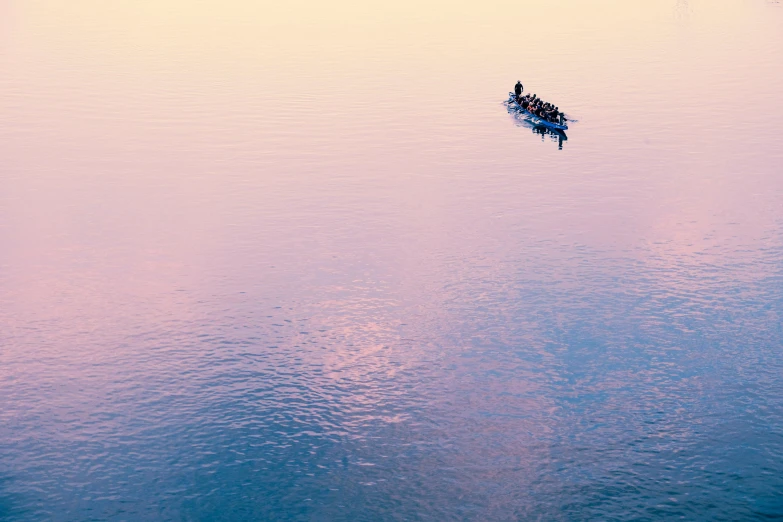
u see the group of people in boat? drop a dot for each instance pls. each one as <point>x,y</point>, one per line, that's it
<point>538,107</point>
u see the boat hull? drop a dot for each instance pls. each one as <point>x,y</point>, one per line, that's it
<point>535,120</point>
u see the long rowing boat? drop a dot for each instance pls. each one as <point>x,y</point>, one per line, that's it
<point>535,120</point>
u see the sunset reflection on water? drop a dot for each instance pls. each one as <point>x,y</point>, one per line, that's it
<point>297,261</point>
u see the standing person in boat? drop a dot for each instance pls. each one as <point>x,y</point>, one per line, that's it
<point>518,89</point>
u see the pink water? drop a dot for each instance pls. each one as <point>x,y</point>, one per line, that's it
<point>296,261</point>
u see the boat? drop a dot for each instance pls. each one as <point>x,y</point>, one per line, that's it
<point>535,120</point>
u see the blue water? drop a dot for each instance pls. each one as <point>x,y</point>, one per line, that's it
<point>226,296</point>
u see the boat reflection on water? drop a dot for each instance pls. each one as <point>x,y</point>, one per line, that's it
<point>554,135</point>
<point>523,120</point>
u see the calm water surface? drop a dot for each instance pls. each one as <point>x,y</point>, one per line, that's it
<point>297,261</point>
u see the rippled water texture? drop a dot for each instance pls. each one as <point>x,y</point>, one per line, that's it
<point>298,262</point>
